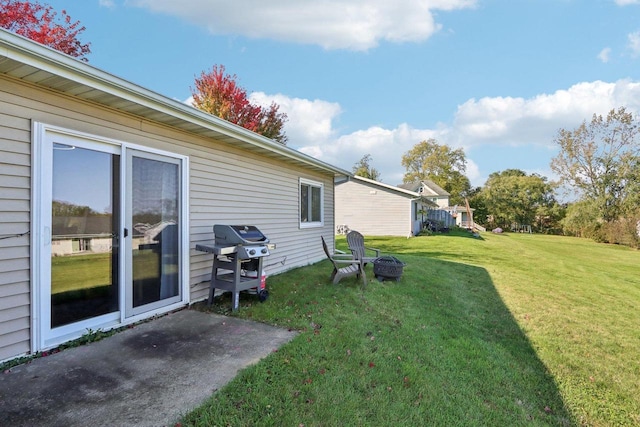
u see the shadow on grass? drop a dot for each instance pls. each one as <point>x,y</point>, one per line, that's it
<point>481,347</point>
<point>437,348</point>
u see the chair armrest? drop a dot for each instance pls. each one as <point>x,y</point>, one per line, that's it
<point>343,256</point>
<point>377,251</point>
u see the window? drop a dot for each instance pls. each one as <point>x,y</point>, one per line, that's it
<point>311,203</point>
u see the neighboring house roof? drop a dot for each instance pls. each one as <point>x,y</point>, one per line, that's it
<point>32,62</point>
<point>389,188</point>
<point>431,187</point>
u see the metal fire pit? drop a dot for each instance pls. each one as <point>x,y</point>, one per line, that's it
<point>388,267</point>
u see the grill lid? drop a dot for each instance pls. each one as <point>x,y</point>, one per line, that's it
<point>238,235</point>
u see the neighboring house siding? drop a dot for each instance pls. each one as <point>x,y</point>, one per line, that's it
<point>442,202</point>
<point>227,185</point>
<point>372,211</point>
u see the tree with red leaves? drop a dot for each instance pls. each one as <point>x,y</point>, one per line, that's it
<point>38,22</point>
<point>219,94</point>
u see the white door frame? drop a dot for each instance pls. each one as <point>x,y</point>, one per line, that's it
<point>130,310</point>
<point>42,335</point>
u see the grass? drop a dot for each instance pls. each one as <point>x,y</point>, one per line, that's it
<point>94,270</point>
<point>511,329</point>
<point>71,273</point>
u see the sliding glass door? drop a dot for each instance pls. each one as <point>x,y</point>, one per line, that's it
<point>110,238</point>
<point>153,216</point>
<point>84,238</point>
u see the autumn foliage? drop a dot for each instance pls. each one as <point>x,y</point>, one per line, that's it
<point>39,23</point>
<point>219,94</point>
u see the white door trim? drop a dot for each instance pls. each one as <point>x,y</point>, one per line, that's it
<point>42,336</point>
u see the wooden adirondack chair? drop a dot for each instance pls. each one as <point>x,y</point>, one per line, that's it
<point>355,240</point>
<point>351,266</point>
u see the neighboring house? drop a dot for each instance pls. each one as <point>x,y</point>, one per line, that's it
<point>374,208</point>
<point>107,187</point>
<point>448,215</point>
<point>429,190</point>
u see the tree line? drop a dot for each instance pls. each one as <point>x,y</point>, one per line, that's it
<point>598,163</point>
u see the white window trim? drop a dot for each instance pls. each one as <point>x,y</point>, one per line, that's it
<point>314,224</point>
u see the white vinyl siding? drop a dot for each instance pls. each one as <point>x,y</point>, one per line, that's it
<point>232,187</point>
<point>226,185</point>
<point>373,211</point>
<point>15,190</point>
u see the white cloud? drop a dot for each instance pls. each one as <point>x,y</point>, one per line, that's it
<point>604,54</point>
<point>311,128</point>
<point>332,24</point>
<point>307,120</point>
<point>626,2</point>
<point>519,121</point>
<point>107,3</point>
<point>479,126</point>
<point>634,43</point>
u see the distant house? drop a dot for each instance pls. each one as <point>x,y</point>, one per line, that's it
<point>448,215</point>
<point>106,188</point>
<point>430,190</point>
<point>375,208</point>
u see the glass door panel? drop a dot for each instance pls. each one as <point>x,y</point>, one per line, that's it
<point>154,207</point>
<point>84,243</point>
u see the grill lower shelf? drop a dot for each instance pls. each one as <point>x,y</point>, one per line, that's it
<point>227,282</point>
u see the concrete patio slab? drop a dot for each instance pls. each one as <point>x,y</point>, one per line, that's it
<point>149,375</point>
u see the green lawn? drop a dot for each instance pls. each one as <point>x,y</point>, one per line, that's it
<point>508,330</point>
<point>86,271</point>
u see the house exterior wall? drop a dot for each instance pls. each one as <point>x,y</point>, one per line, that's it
<point>441,201</point>
<point>373,211</point>
<point>226,185</point>
<point>15,193</point>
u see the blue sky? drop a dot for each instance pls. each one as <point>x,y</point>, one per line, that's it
<point>495,77</point>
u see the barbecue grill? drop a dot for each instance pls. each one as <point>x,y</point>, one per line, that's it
<point>238,253</point>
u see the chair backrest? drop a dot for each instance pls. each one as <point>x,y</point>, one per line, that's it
<point>355,240</point>
<point>326,251</point>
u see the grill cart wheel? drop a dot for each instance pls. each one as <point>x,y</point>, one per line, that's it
<point>263,295</point>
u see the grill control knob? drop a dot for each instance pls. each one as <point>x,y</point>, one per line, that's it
<point>264,250</point>
<point>252,252</point>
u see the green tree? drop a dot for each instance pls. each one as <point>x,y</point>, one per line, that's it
<point>512,196</point>
<point>364,169</point>
<point>581,220</point>
<point>477,202</point>
<point>600,162</point>
<point>218,93</point>
<point>429,160</point>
